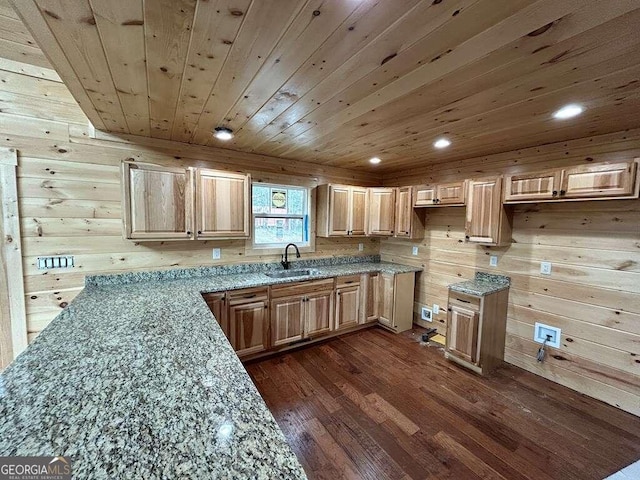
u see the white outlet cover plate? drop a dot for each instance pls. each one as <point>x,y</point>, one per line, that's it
<point>540,332</point>
<point>436,309</point>
<point>493,261</point>
<point>360,247</point>
<point>426,314</point>
<point>216,254</point>
<point>414,251</point>
<point>545,268</point>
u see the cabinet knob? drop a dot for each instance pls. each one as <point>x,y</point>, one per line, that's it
<point>562,192</point>
<point>467,237</point>
<point>554,193</point>
<point>199,232</point>
<point>188,233</point>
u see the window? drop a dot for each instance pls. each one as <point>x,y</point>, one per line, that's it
<point>280,215</point>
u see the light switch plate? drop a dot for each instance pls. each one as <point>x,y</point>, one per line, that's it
<point>436,309</point>
<point>493,261</point>
<point>360,247</point>
<point>545,268</point>
<point>414,251</point>
<point>216,254</point>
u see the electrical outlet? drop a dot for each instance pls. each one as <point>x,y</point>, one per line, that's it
<point>541,332</point>
<point>360,247</point>
<point>216,254</point>
<point>493,261</point>
<point>436,309</point>
<point>426,314</point>
<point>545,268</point>
<point>414,251</point>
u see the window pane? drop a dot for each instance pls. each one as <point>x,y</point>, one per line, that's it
<point>278,230</point>
<point>260,199</point>
<point>296,202</point>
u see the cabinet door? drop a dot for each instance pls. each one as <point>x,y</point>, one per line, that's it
<point>319,314</point>
<point>462,333</point>
<point>373,297</point>
<point>218,306</point>
<point>381,211</point>
<point>347,306</point>
<point>532,186</point>
<point>387,284</point>
<point>404,212</point>
<point>222,204</point>
<point>248,326</point>
<point>339,215</point>
<point>157,202</point>
<point>425,196</point>
<point>484,209</point>
<point>451,193</point>
<point>358,209</point>
<point>601,180</point>
<point>287,315</point>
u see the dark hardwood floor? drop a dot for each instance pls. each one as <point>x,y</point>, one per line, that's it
<point>377,405</point>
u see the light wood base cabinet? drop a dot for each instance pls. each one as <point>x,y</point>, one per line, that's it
<point>370,310</point>
<point>248,322</point>
<point>476,330</point>
<point>396,301</point>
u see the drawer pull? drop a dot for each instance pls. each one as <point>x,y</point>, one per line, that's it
<point>463,301</point>
<point>249,296</point>
<point>349,281</point>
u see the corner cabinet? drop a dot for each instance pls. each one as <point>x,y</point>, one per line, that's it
<point>157,202</point>
<point>488,222</point>
<point>341,211</point>
<point>396,301</point>
<point>167,203</point>
<point>222,204</point>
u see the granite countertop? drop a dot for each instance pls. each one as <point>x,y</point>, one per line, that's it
<point>483,284</point>
<point>135,379</point>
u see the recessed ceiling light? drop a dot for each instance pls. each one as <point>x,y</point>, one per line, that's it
<point>223,133</point>
<point>374,160</point>
<point>442,143</point>
<point>568,111</point>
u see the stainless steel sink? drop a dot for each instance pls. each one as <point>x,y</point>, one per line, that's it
<point>307,272</point>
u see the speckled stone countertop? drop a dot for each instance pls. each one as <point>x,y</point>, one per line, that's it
<point>136,380</point>
<point>483,284</point>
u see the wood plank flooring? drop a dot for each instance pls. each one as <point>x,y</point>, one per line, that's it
<point>375,405</point>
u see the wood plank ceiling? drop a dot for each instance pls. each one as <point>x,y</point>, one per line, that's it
<point>339,81</point>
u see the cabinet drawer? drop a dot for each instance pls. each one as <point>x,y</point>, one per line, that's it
<point>462,299</point>
<point>247,295</point>
<point>348,280</point>
<point>301,288</point>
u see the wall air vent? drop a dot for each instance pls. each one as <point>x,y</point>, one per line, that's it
<point>47,263</point>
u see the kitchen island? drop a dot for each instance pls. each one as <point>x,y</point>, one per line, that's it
<point>135,379</point>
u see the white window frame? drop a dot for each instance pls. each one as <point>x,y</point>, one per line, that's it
<point>275,248</point>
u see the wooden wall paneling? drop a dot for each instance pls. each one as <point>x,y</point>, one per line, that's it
<point>30,70</point>
<point>215,28</point>
<point>120,27</point>
<point>264,21</point>
<point>167,28</point>
<point>13,327</point>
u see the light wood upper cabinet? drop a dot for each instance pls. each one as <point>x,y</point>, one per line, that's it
<point>222,204</point>
<point>532,186</point>
<point>462,333</point>
<point>584,182</point>
<point>409,222</point>
<point>487,221</point>
<point>445,194</point>
<point>341,211</point>
<point>157,202</point>
<point>600,180</point>
<point>382,206</point>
